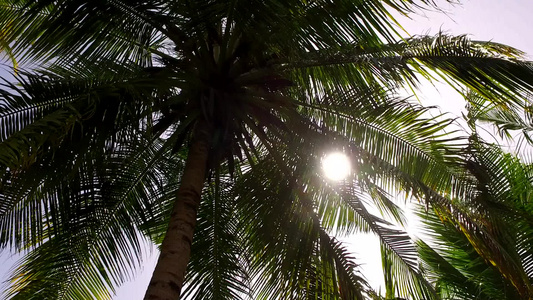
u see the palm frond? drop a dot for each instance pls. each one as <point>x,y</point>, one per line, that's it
<point>455,266</point>
<point>291,255</point>
<point>493,236</point>
<point>399,249</point>
<point>113,29</point>
<point>508,118</point>
<point>493,70</point>
<point>217,269</point>
<point>81,223</point>
<point>90,242</point>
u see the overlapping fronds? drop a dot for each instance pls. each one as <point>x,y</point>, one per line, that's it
<point>511,119</point>
<point>390,138</point>
<point>47,109</point>
<point>85,237</point>
<point>497,72</point>
<point>66,29</point>
<point>292,256</point>
<point>497,239</point>
<point>92,142</point>
<point>382,154</point>
<point>218,267</point>
<point>342,210</point>
<point>350,214</point>
<point>125,30</point>
<point>84,211</point>
<point>455,267</point>
<point>89,114</point>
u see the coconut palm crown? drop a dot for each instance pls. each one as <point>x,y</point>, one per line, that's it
<point>201,125</point>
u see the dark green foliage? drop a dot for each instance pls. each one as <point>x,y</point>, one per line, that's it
<point>489,258</point>
<point>93,139</point>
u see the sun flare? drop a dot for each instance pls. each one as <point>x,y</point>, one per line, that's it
<point>336,166</point>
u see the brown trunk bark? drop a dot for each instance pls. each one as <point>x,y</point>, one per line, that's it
<point>167,279</point>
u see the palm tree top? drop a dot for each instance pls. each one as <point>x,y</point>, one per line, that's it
<point>137,115</point>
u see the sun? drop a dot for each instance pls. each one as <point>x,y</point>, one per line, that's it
<point>336,166</point>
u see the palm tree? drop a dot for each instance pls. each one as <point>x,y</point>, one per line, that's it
<point>492,260</point>
<point>480,247</point>
<point>165,116</point>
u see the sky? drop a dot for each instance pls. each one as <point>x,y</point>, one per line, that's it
<point>503,21</point>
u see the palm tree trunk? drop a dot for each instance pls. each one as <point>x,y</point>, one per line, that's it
<point>169,273</point>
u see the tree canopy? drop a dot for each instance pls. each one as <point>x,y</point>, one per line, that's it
<point>134,120</point>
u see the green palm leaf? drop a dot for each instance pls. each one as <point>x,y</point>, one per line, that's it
<point>124,93</point>
<point>223,273</point>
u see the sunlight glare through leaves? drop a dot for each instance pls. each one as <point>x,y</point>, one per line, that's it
<point>336,166</point>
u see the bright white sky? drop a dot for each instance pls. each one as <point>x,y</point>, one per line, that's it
<point>504,21</point>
